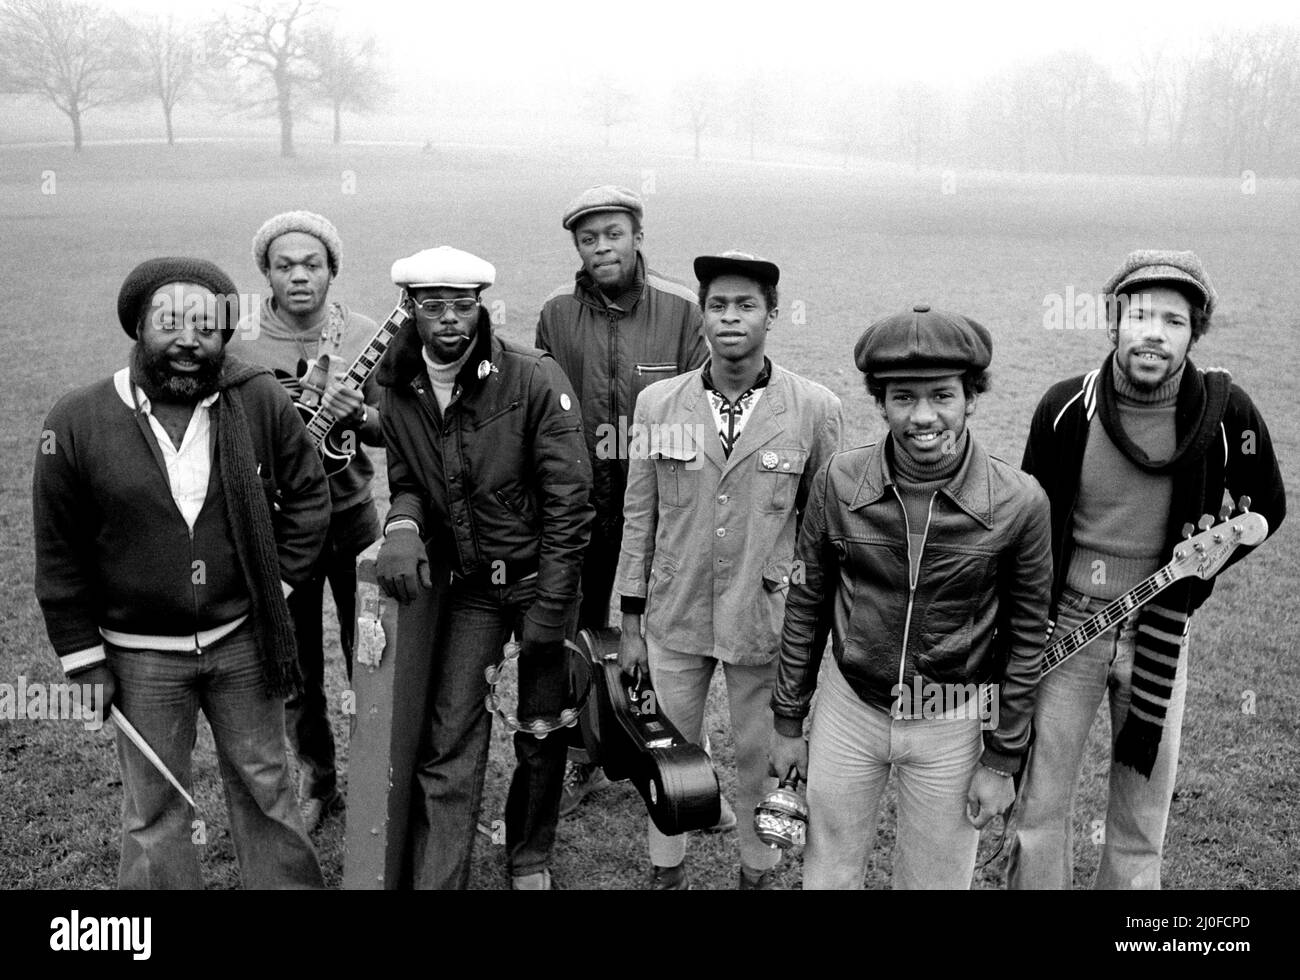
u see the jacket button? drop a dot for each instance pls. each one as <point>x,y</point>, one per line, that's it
<point>722,498</point>
<point>785,579</point>
<point>721,532</point>
<point>785,466</point>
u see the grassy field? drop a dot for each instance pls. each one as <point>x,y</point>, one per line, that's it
<point>852,244</point>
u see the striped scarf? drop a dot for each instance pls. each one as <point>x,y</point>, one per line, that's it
<point>1162,624</point>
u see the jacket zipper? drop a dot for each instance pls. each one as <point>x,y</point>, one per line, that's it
<point>912,577</point>
<point>613,369</point>
<point>194,596</point>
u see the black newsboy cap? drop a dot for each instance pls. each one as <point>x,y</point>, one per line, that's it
<point>923,343</point>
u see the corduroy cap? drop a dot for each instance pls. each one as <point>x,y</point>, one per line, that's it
<point>147,277</point>
<point>605,197</point>
<point>443,266</point>
<point>709,267</point>
<point>1154,265</point>
<point>923,343</point>
<point>307,222</point>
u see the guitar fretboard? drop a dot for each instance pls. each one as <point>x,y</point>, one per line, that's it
<point>1107,617</point>
<point>321,423</point>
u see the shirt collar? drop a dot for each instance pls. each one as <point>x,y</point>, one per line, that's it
<point>764,376</point>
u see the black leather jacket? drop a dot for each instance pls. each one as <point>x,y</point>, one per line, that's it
<point>986,566</point>
<point>503,475</point>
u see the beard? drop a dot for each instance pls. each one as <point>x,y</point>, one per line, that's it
<point>161,383</point>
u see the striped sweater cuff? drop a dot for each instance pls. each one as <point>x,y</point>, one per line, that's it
<point>82,660</point>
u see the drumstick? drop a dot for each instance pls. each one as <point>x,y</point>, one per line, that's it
<point>127,729</point>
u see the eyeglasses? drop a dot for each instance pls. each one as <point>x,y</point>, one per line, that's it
<point>437,307</point>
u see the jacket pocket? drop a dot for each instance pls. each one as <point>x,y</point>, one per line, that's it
<point>518,507</point>
<point>963,582</point>
<point>779,473</point>
<point>644,375</point>
<point>677,474</point>
<point>489,419</point>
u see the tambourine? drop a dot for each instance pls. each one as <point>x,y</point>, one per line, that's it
<point>537,727</point>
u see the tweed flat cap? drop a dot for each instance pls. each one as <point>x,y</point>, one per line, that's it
<point>606,197</point>
<point>709,267</point>
<point>146,278</point>
<point>1152,265</point>
<point>443,266</point>
<point>307,222</point>
<point>923,343</point>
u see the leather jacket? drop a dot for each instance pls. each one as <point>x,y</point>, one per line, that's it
<point>976,613</point>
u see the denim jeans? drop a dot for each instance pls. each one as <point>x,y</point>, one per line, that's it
<point>681,682</point>
<point>307,715</point>
<point>160,693</point>
<point>454,747</point>
<point>851,750</point>
<point>1137,810</point>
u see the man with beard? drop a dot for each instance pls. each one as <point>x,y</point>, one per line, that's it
<point>161,573</point>
<point>299,253</point>
<point>1128,453</point>
<point>617,329</point>
<point>488,473</point>
<point>712,512</point>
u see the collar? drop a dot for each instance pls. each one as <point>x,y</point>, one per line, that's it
<point>444,373</point>
<point>404,361</point>
<point>764,376</point>
<point>971,487</point>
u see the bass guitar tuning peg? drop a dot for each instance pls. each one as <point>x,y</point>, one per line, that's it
<point>1243,505</point>
<point>1188,530</point>
<point>1225,512</point>
<point>1206,522</point>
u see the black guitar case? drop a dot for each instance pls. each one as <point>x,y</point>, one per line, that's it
<point>628,737</point>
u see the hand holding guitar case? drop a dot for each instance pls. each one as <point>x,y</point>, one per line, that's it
<point>630,739</point>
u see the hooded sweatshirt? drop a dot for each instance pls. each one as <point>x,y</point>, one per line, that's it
<point>280,346</point>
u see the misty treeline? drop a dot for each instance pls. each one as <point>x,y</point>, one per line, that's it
<point>1228,104</point>
<point>268,57</point>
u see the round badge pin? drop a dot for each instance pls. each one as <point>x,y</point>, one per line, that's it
<point>565,403</point>
<point>484,369</point>
<point>770,460</point>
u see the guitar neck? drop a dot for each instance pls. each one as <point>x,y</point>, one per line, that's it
<point>321,423</point>
<point>1070,644</point>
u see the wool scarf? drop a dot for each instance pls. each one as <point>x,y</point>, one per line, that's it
<point>1162,624</point>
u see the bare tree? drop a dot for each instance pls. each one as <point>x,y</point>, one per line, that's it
<point>753,109</point>
<point>172,54</point>
<point>346,74</point>
<point>608,103</point>
<point>68,51</point>
<point>1150,73</point>
<point>266,38</point>
<point>920,117</point>
<point>696,97</point>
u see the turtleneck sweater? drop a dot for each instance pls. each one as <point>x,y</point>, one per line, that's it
<point>1122,511</point>
<point>917,483</point>
<point>443,376</point>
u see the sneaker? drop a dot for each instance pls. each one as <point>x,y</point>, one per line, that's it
<point>669,879</point>
<point>581,779</point>
<point>315,810</point>
<point>538,881</point>
<point>763,881</point>
<point>726,819</point>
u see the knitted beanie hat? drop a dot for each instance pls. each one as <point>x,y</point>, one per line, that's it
<point>145,279</point>
<point>307,222</point>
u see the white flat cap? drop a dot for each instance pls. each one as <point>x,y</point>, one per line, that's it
<point>443,266</point>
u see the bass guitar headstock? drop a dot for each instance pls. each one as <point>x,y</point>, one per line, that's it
<point>1205,553</point>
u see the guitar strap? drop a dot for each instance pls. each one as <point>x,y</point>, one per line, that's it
<point>331,333</point>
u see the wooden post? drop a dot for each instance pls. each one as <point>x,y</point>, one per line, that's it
<point>390,682</point>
